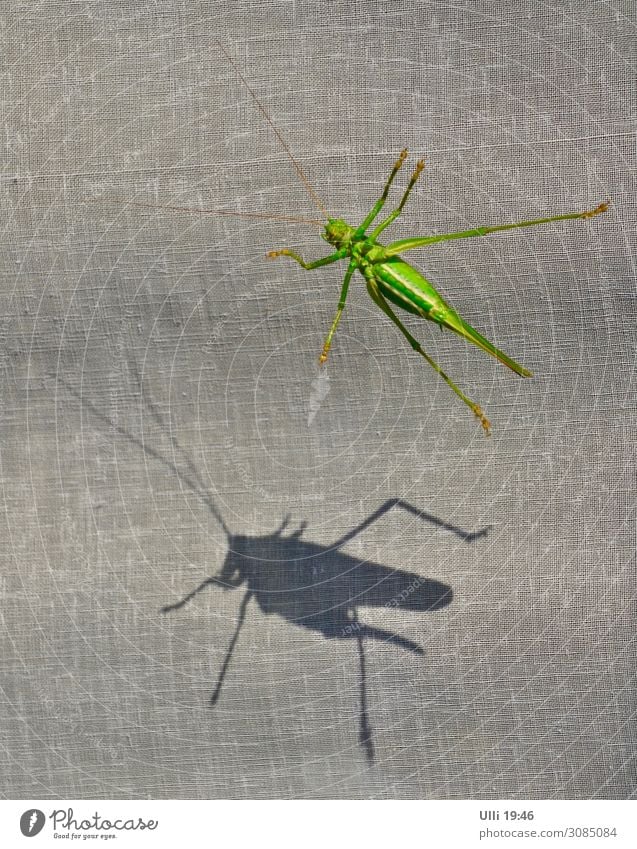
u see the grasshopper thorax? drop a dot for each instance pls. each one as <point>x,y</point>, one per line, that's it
<point>338,233</point>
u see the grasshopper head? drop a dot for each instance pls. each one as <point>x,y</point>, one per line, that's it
<point>338,233</point>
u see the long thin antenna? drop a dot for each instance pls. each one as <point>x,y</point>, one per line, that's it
<point>317,201</point>
<point>193,483</point>
<point>193,210</point>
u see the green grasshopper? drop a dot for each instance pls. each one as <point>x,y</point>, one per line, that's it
<point>387,276</point>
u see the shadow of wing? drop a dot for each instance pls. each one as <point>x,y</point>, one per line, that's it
<point>320,589</point>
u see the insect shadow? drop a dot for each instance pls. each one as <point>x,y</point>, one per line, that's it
<point>308,584</point>
<point>323,589</point>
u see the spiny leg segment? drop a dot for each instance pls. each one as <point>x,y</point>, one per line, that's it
<point>326,260</point>
<point>341,254</point>
<point>409,244</point>
<point>381,200</point>
<point>377,297</point>
<point>394,215</point>
<point>339,311</point>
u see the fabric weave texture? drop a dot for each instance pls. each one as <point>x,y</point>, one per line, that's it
<point>160,382</point>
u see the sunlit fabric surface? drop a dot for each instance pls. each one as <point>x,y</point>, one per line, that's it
<point>160,383</point>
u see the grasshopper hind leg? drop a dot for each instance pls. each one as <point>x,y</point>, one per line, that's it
<point>374,291</point>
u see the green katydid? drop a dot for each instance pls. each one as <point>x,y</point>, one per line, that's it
<point>387,276</point>
<point>389,279</point>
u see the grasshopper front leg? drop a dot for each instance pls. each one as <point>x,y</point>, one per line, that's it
<point>339,312</point>
<point>394,215</point>
<point>327,260</point>
<point>308,266</point>
<point>381,200</point>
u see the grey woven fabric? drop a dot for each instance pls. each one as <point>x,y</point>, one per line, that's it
<point>159,377</point>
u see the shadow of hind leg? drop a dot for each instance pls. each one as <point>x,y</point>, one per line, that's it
<point>365,737</point>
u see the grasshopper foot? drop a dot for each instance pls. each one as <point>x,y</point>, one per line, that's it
<point>484,421</point>
<point>598,209</point>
